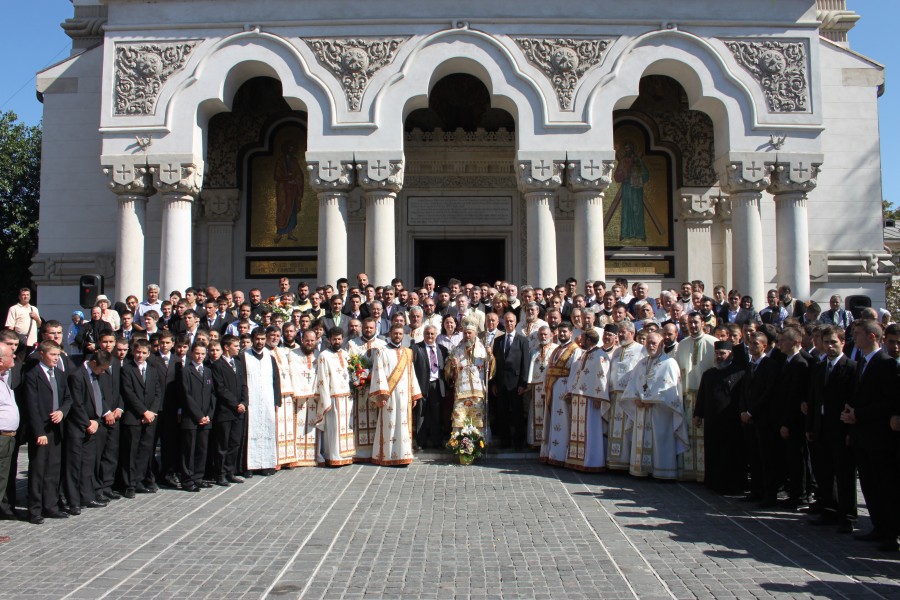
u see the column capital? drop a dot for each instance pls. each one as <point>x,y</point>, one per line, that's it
<point>541,175</point>
<point>130,179</point>
<point>745,176</point>
<point>176,177</point>
<point>331,175</point>
<point>221,205</point>
<point>723,206</point>
<point>697,203</point>
<point>591,175</point>
<point>795,177</point>
<point>380,174</point>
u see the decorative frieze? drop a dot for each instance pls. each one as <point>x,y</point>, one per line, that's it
<point>780,68</point>
<point>66,268</point>
<point>354,61</point>
<point>564,61</point>
<point>141,71</point>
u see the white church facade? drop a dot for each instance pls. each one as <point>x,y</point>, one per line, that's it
<point>228,143</point>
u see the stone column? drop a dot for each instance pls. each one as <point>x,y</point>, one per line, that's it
<point>332,181</point>
<point>588,180</point>
<point>791,181</point>
<point>697,212</point>
<point>222,207</point>
<point>744,184</point>
<point>723,212</point>
<point>381,180</point>
<point>539,182</point>
<point>133,185</point>
<point>179,184</point>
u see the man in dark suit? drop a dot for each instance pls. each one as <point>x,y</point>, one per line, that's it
<point>81,428</point>
<point>47,402</point>
<point>760,417</point>
<point>142,395</point>
<point>170,361</point>
<point>196,419</point>
<point>211,319</point>
<point>106,439</point>
<point>429,362</point>
<point>231,399</point>
<point>869,412</point>
<point>832,382</point>
<point>336,318</point>
<point>793,389</point>
<point>510,382</point>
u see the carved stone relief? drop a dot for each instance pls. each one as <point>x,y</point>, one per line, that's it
<point>564,61</point>
<point>354,61</point>
<point>780,69</point>
<point>141,71</point>
<point>66,268</point>
<point>460,159</point>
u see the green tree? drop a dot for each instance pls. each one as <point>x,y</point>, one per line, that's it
<point>20,177</point>
<point>890,211</point>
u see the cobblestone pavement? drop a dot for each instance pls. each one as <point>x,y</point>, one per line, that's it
<point>499,529</point>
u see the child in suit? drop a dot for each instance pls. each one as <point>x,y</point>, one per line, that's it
<point>196,419</point>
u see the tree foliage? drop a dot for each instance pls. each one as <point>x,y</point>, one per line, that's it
<point>20,176</point>
<point>890,211</point>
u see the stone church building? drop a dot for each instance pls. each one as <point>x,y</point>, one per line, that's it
<point>194,142</point>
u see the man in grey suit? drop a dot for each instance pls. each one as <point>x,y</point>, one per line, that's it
<point>428,362</point>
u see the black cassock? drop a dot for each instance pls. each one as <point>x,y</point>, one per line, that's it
<point>718,406</point>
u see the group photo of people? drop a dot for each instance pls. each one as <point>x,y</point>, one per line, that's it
<point>786,404</point>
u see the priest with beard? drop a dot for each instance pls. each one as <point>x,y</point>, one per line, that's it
<point>364,413</point>
<point>718,413</point>
<point>587,390</point>
<point>555,445</point>
<point>540,360</point>
<point>305,398</point>
<point>394,391</point>
<point>334,411</point>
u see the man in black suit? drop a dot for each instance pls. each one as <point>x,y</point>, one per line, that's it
<point>231,399</point>
<point>761,418</point>
<point>869,412</point>
<point>196,419</point>
<point>106,439</point>
<point>170,361</point>
<point>831,384</point>
<point>81,429</point>
<point>429,362</point>
<point>212,320</point>
<point>794,392</point>
<point>142,394</point>
<point>510,382</point>
<point>336,318</point>
<point>47,402</point>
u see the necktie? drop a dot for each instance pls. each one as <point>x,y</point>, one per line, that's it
<point>54,389</point>
<point>143,373</point>
<point>753,368</point>
<point>200,370</point>
<point>433,358</point>
<point>508,343</point>
<point>232,365</point>
<point>61,365</point>
<point>863,363</point>
<point>828,368</point>
<point>98,395</point>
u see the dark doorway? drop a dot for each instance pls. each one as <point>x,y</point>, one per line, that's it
<point>473,260</point>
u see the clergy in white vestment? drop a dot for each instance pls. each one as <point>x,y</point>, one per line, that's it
<point>334,413</point>
<point>264,386</point>
<point>365,415</point>
<point>653,402</point>
<point>394,391</point>
<point>587,390</point>
<point>416,324</point>
<point>286,413</point>
<point>621,368</point>
<point>695,355</point>
<point>540,360</point>
<point>531,325</point>
<point>555,445</point>
<point>306,399</point>
<point>469,367</point>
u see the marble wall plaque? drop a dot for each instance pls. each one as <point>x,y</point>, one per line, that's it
<point>444,211</point>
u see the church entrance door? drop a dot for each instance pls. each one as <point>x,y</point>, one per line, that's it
<point>469,260</point>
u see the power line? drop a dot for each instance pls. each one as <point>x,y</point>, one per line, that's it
<point>32,78</point>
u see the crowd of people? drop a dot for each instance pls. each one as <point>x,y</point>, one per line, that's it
<point>784,405</point>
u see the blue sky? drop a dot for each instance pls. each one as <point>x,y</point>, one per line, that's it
<point>37,41</point>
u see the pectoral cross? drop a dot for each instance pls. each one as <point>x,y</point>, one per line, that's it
<point>542,368</point>
<point>645,387</point>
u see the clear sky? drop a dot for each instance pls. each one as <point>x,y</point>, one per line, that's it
<point>36,41</point>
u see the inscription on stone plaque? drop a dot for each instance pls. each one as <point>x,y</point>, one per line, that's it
<point>443,211</point>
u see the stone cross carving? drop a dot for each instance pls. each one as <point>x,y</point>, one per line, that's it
<point>141,71</point>
<point>780,69</point>
<point>354,61</point>
<point>564,61</point>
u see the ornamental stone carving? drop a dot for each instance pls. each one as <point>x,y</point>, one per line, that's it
<point>128,179</point>
<point>697,206</point>
<point>780,69</point>
<point>589,175</point>
<point>221,205</point>
<point>564,61</point>
<point>354,61</point>
<point>380,174</point>
<point>331,176</point>
<point>174,178</point>
<point>66,268</point>
<point>540,175</point>
<point>141,71</point>
<point>743,177</point>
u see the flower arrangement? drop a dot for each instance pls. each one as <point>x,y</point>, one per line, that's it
<point>466,443</point>
<point>359,368</point>
<point>277,306</point>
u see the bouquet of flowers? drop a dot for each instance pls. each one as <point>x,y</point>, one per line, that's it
<point>277,306</point>
<point>359,367</point>
<point>467,442</point>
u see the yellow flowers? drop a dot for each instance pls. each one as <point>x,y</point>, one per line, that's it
<point>481,443</point>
